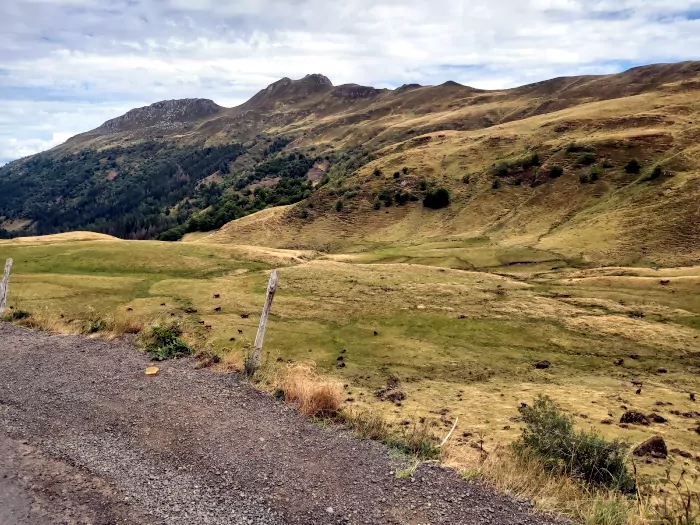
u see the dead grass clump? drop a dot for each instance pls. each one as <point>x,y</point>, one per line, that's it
<point>312,394</point>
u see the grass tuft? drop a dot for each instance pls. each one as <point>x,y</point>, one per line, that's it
<point>312,394</point>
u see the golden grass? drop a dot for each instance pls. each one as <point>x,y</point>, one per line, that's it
<point>312,394</point>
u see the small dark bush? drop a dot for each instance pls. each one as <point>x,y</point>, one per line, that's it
<point>573,148</point>
<point>556,172</point>
<point>437,198</point>
<point>534,160</point>
<point>388,201</point>
<point>377,204</point>
<point>405,170</point>
<point>502,169</point>
<point>165,343</point>
<point>339,206</point>
<point>633,167</point>
<point>396,174</point>
<point>402,198</point>
<point>16,315</point>
<point>587,159</point>
<point>377,172</point>
<point>607,164</point>
<point>304,214</point>
<point>550,436</point>
<point>496,184</point>
<point>423,185</point>
<point>594,175</point>
<point>466,179</point>
<point>585,179</point>
<point>656,173</point>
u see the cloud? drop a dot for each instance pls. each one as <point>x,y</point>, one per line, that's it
<point>70,64</point>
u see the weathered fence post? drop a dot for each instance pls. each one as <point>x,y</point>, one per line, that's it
<point>4,286</point>
<point>257,348</point>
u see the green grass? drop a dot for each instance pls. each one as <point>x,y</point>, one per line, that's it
<point>477,368</point>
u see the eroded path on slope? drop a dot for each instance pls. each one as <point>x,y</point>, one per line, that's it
<point>86,437</point>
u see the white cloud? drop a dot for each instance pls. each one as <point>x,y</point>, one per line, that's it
<point>86,59</point>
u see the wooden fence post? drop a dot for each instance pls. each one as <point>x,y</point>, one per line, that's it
<point>4,286</point>
<point>257,349</point>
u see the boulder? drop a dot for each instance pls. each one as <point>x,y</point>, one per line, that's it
<point>542,365</point>
<point>654,447</point>
<point>634,417</point>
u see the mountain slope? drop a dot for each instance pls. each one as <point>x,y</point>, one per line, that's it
<point>192,165</point>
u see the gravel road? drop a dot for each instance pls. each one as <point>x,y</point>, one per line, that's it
<point>87,438</point>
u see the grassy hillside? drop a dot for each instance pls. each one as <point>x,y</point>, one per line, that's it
<point>503,187</point>
<point>461,344</point>
<point>189,166</point>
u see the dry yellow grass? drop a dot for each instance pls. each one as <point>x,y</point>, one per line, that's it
<point>59,238</point>
<point>311,393</point>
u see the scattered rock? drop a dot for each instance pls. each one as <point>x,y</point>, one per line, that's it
<point>396,396</point>
<point>636,383</point>
<point>340,358</point>
<point>342,351</point>
<point>232,339</point>
<point>634,417</point>
<point>245,316</point>
<point>663,404</point>
<point>217,309</point>
<point>162,304</point>
<point>216,296</point>
<point>681,453</point>
<point>654,447</point>
<point>633,356</point>
<point>657,418</point>
<point>421,307</point>
<point>376,333</point>
<point>340,365</point>
<point>542,365</point>
<point>664,282</point>
<point>619,362</point>
<point>639,391</point>
<point>661,371</point>
<point>692,397</point>
<point>461,316</point>
<point>607,421</point>
<point>129,309</point>
<point>507,427</point>
<point>190,310</point>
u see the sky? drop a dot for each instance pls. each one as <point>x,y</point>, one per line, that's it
<point>66,66</point>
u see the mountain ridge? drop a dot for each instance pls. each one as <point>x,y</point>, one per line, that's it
<point>310,140</point>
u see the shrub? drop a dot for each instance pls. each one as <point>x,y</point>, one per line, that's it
<point>16,315</point>
<point>377,204</point>
<point>633,167</point>
<point>339,205</point>
<point>405,170</point>
<point>396,174</point>
<point>496,184</point>
<point>594,175</point>
<point>585,179</point>
<point>556,172</point>
<point>502,169</point>
<point>388,201</point>
<point>587,159</point>
<point>437,198</point>
<point>573,148</point>
<point>607,164</point>
<point>165,343</point>
<point>304,214</point>
<point>586,456</point>
<point>423,185</point>
<point>656,173</point>
<point>466,179</point>
<point>402,198</point>
<point>377,172</point>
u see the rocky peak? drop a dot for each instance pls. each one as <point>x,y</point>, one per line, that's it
<point>354,91</point>
<point>287,90</point>
<point>165,115</point>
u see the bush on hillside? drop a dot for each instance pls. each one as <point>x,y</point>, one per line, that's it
<point>556,172</point>
<point>396,174</point>
<point>587,158</point>
<point>549,435</point>
<point>656,173</point>
<point>633,167</point>
<point>165,343</point>
<point>377,204</point>
<point>377,172</point>
<point>339,206</point>
<point>496,184</point>
<point>437,198</point>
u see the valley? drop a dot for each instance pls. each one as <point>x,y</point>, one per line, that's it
<point>463,249</point>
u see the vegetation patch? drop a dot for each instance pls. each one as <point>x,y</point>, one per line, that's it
<point>165,343</point>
